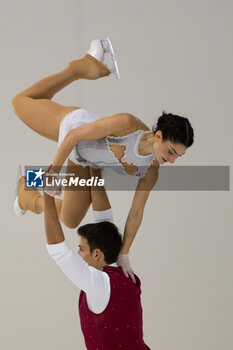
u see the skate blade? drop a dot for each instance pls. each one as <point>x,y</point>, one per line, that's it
<point>108,48</point>
<point>18,211</point>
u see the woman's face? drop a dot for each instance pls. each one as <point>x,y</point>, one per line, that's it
<point>166,151</point>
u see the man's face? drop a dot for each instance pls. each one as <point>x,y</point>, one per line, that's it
<point>85,253</point>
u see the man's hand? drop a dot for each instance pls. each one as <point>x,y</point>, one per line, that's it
<point>124,262</point>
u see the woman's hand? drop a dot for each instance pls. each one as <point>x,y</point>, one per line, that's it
<point>124,262</point>
<point>51,182</point>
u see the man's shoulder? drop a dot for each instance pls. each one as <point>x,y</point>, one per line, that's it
<point>116,273</point>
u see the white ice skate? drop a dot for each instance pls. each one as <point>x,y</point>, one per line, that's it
<point>98,49</point>
<point>18,211</point>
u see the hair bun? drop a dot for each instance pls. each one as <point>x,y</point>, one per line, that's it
<point>175,128</point>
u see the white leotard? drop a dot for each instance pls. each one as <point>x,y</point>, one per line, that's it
<point>97,153</point>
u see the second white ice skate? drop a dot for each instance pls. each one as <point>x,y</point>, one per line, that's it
<point>99,48</point>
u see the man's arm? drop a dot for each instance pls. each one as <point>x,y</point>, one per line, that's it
<point>54,233</point>
<point>93,282</point>
<point>100,128</point>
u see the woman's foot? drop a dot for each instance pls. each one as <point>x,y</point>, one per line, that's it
<point>27,198</point>
<point>91,66</point>
<point>88,67</point>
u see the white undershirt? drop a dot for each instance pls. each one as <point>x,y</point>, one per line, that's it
<point>95,283</point>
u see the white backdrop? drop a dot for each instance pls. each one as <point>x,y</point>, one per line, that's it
<point>175,56</point>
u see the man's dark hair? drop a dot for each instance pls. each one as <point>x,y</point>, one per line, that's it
<point>104,236</point>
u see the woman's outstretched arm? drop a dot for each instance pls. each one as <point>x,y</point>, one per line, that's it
<point>134,219</point>
<point>106,126</point>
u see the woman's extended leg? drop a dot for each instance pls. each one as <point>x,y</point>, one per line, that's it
<point>76,202</point>
<point>34,106</point>
<point>102,210</point>
<point>99,197</point>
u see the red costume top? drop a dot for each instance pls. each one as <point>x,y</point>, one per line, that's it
<point>120,324</point>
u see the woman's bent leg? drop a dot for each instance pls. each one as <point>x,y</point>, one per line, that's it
<point>34,106</point>
<point>32,199</point>
<point>72,209</point>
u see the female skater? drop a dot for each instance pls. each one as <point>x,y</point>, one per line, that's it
<point>121,142</point>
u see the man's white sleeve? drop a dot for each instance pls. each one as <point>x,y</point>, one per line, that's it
<point>95,283</point>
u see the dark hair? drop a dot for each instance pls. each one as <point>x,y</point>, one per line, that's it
<point>104,236</point>
<point>175,129</point>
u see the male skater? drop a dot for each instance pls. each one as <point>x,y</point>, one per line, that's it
<point>109,304</point>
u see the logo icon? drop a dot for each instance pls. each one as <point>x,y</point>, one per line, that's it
<point>35,178</point>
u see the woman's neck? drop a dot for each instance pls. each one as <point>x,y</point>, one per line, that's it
<point>145,146</point>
